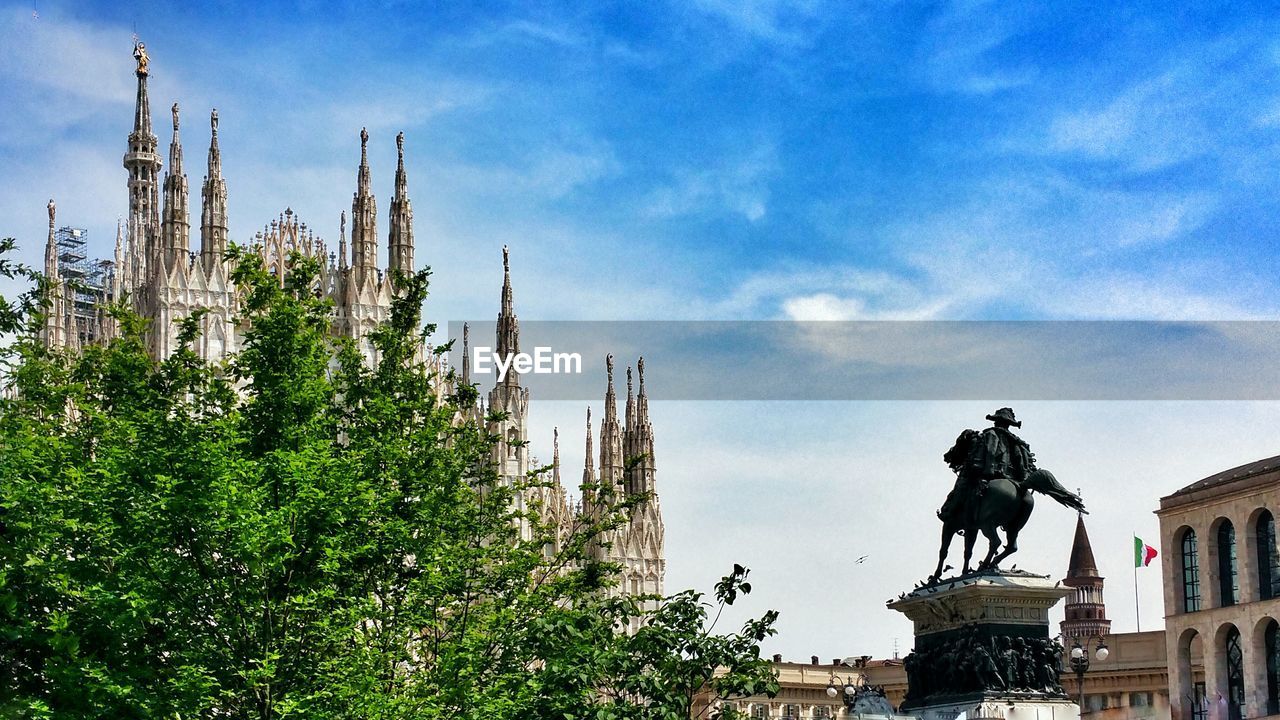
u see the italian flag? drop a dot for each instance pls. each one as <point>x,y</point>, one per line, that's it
<point>1143,553</point>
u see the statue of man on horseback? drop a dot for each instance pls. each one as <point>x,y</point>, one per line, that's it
<point>978,458</point>
<point>995,475</point>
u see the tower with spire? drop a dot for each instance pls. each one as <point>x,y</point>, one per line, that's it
<point>213,204</point>
<point>400,242</point>
<point>175,227</point>
<point>53,332</point>
<point>508,400</point>
<point>1086,615</point>
<point>628,473</point>
<point>364,221</point>
<point>143,163</point>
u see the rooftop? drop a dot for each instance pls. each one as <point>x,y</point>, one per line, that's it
<point>1226,477</point>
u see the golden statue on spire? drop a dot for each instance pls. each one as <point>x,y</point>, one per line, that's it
<point>140,54</point>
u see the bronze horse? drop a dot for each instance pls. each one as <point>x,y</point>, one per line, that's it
<point>1003,505</point>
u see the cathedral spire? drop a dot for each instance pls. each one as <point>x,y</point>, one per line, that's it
<point>342,241</point>
<point>117,267</point>
<point>53,332</point>
<point>466,353</point>
<point>364,219</point>
<point>400,242</point>
<point>611,460</point>
<point>213,203</point>
<point>143,163</point>
<point>642,480</point>
<point>508,325</point>
<point>176,225</point>
<point>588,473</point>
<point>629,427</point>
<point>51,248</point>
<point>555,455</point>
<point>142,109</point>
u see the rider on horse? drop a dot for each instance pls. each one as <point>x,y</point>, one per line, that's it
<point>979,458</point>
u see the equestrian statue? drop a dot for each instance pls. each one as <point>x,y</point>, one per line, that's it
<point>996,474</point>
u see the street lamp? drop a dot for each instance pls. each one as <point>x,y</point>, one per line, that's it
<point>1080,663</point>
<point>848,693</point>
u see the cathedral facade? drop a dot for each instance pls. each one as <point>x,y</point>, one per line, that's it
<point>156,269</point>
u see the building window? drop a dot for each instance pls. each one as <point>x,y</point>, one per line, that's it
<point>791,712</point>
<point>1190,573</point>
<point>821,712</point>
<point>1200,703</point>
<point>1141,699</point>
<point>1228,583</point>
<point>1273,667</point>
<point>1235,676</point>
<point>760,712</point>
<point>1268,557</point>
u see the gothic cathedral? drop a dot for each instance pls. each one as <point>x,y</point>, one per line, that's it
<point>155,268</point>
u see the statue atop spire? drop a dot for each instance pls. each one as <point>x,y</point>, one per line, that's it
<point>400,240</point>
<point>175,225</point>
<point>213,205</point>
<point>140,54</point>
<point>342,241</point>
<point>142,161</point>
<point>508,325</point>
<point>364,221</point>
<point>53,334</point>
<point>611,460</point>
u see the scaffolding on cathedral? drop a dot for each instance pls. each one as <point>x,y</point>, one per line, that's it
<point>87,279</point>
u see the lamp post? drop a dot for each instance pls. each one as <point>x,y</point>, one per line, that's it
<point>1080,663</point>
<point>848,693</point>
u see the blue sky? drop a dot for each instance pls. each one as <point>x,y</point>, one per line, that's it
<point>733,160</point>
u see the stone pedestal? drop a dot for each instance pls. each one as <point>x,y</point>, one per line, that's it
<point>983,648</point>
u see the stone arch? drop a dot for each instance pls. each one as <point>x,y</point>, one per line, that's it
<point>1186,569</point>
<point>215,337</point>
<point>513,442</point>
<point>1189,653</point>
<point>1264,673</point>
<point>1262,555</point>
<point>1228,660</point>
<point>1221,574</point>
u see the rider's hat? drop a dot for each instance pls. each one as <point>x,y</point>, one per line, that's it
<point>1006,415</point>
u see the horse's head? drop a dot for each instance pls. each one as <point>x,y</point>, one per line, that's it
<point>959,453</point>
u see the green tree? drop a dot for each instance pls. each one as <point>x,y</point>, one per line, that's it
<point>298,532</point>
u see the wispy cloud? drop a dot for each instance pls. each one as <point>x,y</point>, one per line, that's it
<point>959,47</point>
<point>779,22</point>
<point>737,185</point>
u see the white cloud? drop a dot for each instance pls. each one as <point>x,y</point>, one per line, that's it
<point>779,22</point>
<point>737,185</point>
<point>957,49</point>
<point>86,62</point>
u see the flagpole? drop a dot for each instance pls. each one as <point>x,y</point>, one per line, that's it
<point>1137,607</point>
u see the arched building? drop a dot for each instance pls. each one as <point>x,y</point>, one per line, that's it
<point>1222,594</point>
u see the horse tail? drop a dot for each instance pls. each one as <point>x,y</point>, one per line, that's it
<point>1043,482</point>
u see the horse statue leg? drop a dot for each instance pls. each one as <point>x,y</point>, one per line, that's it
<point>948,532</point>
<point>993,545</point>
<point>1010,547</point>
<point>970,537</point>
